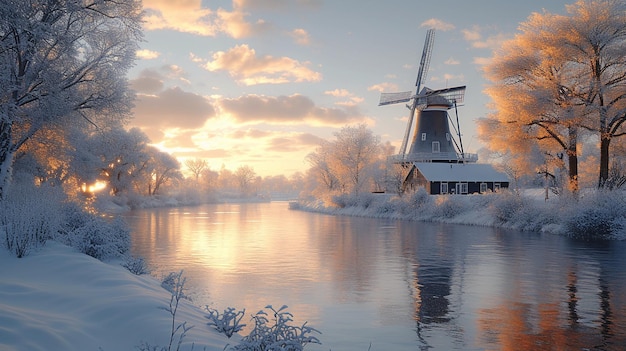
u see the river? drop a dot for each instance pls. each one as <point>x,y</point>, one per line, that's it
<point>377,284</point>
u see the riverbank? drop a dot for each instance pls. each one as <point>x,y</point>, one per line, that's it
<point>59,299</point>
<point>597,215</point>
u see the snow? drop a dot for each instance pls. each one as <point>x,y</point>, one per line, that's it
<point>456,172</point>
<point>59,299</point>
<point>597,215</point>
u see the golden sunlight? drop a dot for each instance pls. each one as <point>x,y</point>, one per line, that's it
<point>93,188</point>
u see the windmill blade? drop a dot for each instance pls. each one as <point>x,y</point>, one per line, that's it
<point>425,61</point>
<point>395,98</point>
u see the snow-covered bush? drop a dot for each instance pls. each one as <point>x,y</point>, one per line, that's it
<point>277,333</point>
<point>389,206</point>
<point>449,206</point>
<point>599,215</point>
<point>136,265</point>
<point>100,238</point>
<point>228,323</point>
<point>420,198</point>
<point>29,216</point>
<point>506,206</point>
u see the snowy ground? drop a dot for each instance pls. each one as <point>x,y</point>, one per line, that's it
<point>58,299</point>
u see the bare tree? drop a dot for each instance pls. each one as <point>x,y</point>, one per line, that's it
<point>197,166</point>
<point>63,62</point>
<point>245,176</point>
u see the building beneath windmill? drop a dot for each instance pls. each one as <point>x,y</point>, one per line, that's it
<point>435,159</point>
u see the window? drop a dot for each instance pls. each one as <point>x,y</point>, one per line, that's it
<point>444,188</point>
<point>423,136</point>
<point>461,188</point>
<point>448,136</point>
<point>496,186</point>
<point>483,187</point>
<point>436,147</point>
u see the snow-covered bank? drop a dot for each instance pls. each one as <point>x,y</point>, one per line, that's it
<point>596,215</point>
<point>59,299</point>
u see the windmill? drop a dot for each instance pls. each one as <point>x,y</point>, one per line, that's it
<point>432,139</point>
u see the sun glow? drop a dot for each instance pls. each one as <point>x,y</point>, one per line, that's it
<point>93,188</point>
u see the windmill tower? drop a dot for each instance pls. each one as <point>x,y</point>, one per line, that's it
<point>432,139</point>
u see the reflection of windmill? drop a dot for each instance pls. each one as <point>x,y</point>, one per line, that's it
<point>432,140</point>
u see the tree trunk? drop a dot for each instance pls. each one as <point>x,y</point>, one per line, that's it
<point>6,157</point>
<point>604,160</point>
<point>572,159</point>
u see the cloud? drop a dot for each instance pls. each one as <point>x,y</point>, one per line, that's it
<point>189,16</point>
<point>243,64</point>
<point>383,87</point>
<point>338,93</point>
<point>172,108</point>
<point>277,5</point>
<point>149,81</point>
<point>300,36</point>
<point>294,109</point>
<point>452,61</point>
<point>437,24</point>
<point>352,100</point>
<point>152,80</point>
<point>181,15</point>
<point>146,54</point>
<point>475,37</point>
<point>235,24</point>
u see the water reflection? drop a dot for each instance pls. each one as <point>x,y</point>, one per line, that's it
<point>397,285</point>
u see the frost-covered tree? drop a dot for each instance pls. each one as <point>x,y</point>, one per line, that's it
<point>532,97</point>
<point>354,151</point>
<point>594,38</point>
<point>562,74</point>
<point>320,167</point>
<point>63,62</point>
<point>119,156</point>
<point>346,164</point>
<point>164,169</point>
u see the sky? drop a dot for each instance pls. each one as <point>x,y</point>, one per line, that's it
<point>260,83</point>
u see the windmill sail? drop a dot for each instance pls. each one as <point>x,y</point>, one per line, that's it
<point>395,98</point>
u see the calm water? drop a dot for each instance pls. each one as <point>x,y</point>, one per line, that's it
<point>396,285</point>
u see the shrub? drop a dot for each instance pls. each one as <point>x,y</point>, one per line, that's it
<point>29,216</point>
<point>506,206</point>
<point>449,206</point>
<point>277,334</point>
<point>175,284</point>
<point>227,323</point>
<point>136,265</point>
<point>419,199</point>
<point>100,238</point>
<point>597,216</point>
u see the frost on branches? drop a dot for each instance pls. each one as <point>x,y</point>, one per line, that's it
<point>63,63</point>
